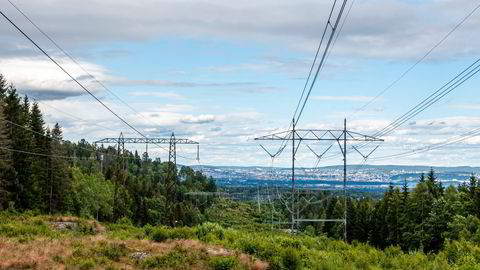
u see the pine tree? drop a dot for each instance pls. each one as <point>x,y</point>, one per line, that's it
<point>40,164</point>
<point>7,173</point>
<point>405,190</point>
<point>59,182</point>
<point>434,187</point>
<point>20,138</point>
<point>393,202</point>
<point>3,87</point>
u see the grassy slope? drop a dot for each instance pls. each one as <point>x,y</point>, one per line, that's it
<point>30,242</point>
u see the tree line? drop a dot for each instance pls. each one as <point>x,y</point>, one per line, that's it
<point>419,218</point>
<point>40,171</point>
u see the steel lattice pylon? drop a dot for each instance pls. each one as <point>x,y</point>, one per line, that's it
<point>339,136</point>
<point>170,181</point>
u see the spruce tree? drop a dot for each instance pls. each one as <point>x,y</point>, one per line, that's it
<point>40,164</point>
<point>60,182</point>
<point>21,189</point>
<point>3,87</point>
<point>7,173</point>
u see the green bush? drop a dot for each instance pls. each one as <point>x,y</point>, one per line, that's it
<point>125,221</point>
<point>291,259</point>
<point>160,234</point>
<point>85,227</point>
<point>310,230</point>
<point>114,251</point>
<point>203,230</point>
<point>223,263</point>
<point>17,229</point>
<point>181,233</point>
<point>148,229</point>
<point>84,264</point>
<point>178,258</point>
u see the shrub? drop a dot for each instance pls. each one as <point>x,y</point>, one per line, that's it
<point>148,229</point>
<point>288,242</point>
<point>125,221</point>
<point>87,228</point>
<point>114,251</point>
<point>84,264</point>
<point>248,246</point>
<point>310,230</point>
<point>25,230</point>
<point>223,263</point>
<point>181,233</point>
<point>290,259</point>
<point>160,235</point>
<point>203,230</point>
<point>177,258</point>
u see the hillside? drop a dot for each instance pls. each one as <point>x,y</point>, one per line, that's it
<point>55,242</point>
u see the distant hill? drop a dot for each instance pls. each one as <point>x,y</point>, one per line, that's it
<point>412,168</point>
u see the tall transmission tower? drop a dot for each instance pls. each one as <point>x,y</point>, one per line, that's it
<point>170,182</point>
<point>341,137</point>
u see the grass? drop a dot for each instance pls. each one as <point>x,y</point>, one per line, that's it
<point>28,241</point>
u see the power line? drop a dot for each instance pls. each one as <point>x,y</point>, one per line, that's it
<point>324,57</point>
<point>453,140</point>
<point>52,138</point>
<point>433,98</point>
<point>65,113</point>
<point>69,75</point>
<point>73,60</point>
<point>334,28</point>
<point>315,59</point>
<point>418,61</point>
<point>76,81</point>
<point>35,154</point>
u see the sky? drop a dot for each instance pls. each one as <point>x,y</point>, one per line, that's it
<point>224,72</point>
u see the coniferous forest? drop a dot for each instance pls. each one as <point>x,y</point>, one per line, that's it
<point>42,174</point>
<point>40,171</point>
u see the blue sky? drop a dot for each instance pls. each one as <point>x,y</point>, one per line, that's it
<point>223,72</point>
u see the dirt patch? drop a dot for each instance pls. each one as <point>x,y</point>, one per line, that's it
<point>38,254</point>
<point>45,253</point>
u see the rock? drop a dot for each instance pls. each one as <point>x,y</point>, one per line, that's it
<point>139,255</point>
<point>62,226</point>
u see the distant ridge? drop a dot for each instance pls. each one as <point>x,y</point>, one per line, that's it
<point>418,168</point>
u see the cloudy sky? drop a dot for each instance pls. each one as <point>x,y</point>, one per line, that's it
<point>224,72</point>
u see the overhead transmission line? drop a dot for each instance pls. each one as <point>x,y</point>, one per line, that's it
<point>456,139</point>
<point>433,98</point>
<point>64,112</point>
<point>325,56</point>
<point>71,77</point>
<point>78,83</point>
<point>52,138</point>
<point>298,113</point>
<point>426,103</point>
<point>34,153</point>
<point>75,61</point>
<point>421,59</point>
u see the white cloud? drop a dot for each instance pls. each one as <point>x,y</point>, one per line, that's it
<point>200,119</point>
<point>391,29</point>
<point>42,79</point>
<point>466,106</point>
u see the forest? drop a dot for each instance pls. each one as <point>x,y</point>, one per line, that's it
<point>40,171</point>
<point>43,175</point>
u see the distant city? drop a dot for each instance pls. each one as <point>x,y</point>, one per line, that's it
<point>360,178</point>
